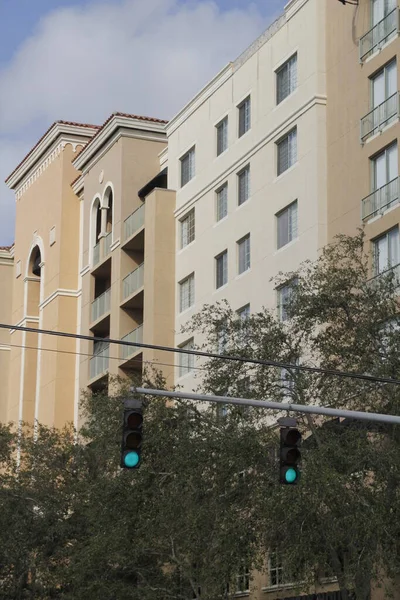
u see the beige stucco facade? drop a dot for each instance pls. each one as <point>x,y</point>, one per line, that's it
<point>73,200</point>
<point>357,54</point>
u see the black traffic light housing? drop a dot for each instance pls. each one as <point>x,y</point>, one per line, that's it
<point>289,455</point>
<point>132,434</point>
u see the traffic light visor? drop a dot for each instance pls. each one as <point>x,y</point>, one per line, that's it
<point>134,420</point>
<point>133,440</point>
<point>291,437</point>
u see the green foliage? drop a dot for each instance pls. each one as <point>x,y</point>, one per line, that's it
<point>206,499</point>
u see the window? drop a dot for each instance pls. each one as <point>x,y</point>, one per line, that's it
<point>244,312</point>
<point>287,379</point>
<point>386,251</point>
<point>221,269</point>
<point>286,79</point>
<point>243,579</point>
<point>284,294</point>
<point>385,167</point>
<point>384,84</point>
<point>276,573</point>
<point>187,229</point>
<point>222,136</point>
<point>243,254</point>
<point>380,9</point>
<point>286,221</point>
<point>287,151</point>
<point>187,167</point>
<point>243,185</point>
<point>186,293</point>
<point>244,116</point>
<point>186,361</point>
<point>222,202</point>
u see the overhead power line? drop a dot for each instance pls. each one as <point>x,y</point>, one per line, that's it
<point>227,357</point>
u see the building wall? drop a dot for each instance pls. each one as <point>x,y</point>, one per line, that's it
<point>41,369</point>
<point>349,93</point>
<point>300,30</point>
<point>6,280</point>
<point>127,166</point>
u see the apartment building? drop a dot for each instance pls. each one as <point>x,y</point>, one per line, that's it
<point>90,214</point>
<point>247,157</point>
<point>127,256</point>
<point>363,52</point>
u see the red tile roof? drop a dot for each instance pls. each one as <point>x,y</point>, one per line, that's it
<point>128,116</point>
<point>6,247</point>
<point>44,135</point>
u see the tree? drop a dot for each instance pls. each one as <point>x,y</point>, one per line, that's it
<point>342,519</point>
<point>206,500</point>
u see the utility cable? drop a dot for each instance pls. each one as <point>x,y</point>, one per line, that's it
<point>227,357</point>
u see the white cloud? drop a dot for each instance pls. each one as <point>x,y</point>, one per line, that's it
<point>141,57</point>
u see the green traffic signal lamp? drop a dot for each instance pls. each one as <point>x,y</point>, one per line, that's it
<point>132,435</point>
<point>290,455</point>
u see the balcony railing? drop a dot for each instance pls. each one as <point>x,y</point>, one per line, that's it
<point>133,281</point>
<point>101,305</point>
<point>379,34</point>
<point>96,253</point>
<point>382,115</point>
<point>380,200</point>
<point>392,271</point>
<point>134,222</point>
<point>107,243</point>
<point>99,362</point>
<point>135,336</point>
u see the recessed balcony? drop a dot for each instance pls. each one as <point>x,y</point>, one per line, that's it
<point>380,200</point>
<point>136,337</point>
<point>132,288</point>
<point>102,249</point>
<point>379,35</point>
<point>101,305</point>
<point>380,117</point>
<point>99,362</point>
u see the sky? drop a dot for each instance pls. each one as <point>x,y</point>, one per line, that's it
<point>81,60</point>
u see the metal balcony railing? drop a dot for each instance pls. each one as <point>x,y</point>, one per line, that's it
<point>99,362</point>
<point>380,200</point>
<point>379,34</point>
<point>107,243</point>
<point>96,253</point>
<point>101,305</point>
<point>395,271</point>
<point>134,222</point>
<point>135,336</point>
<point>380,116</point>
<point>133,281</point>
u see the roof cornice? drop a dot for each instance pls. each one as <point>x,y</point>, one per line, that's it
<point>112,125</point>
<point>200,97</point>
<point>57,130</point>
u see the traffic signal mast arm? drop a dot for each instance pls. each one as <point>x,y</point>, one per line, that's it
<point>285,406</point>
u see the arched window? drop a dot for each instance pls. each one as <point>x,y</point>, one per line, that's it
<point>108,203</point>
<point>35,261</point>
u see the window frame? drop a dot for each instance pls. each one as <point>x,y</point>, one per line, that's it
<point>281,304</point>
<point>224,273</point>
<point>218,191</point>
<point>375,251</point>
<point>186,369</point>
<point>191,292</point>
<point>292,83</point>
<point>291,160</point>
<point>222,126</point>
<point>292,232</point>
<point>244,123</point>
<point>191,231</point>
<point>245,172</point>
<point>191,165</point>
<point>241,244</point>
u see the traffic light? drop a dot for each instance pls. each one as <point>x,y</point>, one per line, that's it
<point>132,431</point>
<point>289,456</point>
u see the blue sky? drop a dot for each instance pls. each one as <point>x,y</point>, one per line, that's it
<point>81,60</point>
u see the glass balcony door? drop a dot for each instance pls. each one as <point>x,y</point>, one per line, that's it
<point>380,9</point>
<point>385,167</point>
